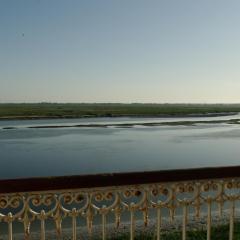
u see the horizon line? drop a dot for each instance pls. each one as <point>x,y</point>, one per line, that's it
<point>128,103</point>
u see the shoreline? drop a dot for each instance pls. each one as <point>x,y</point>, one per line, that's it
<point>220,114</point>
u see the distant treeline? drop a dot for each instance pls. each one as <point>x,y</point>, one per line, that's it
<point>75,110</point>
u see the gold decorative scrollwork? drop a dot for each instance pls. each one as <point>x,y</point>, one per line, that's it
<point>88,203</point>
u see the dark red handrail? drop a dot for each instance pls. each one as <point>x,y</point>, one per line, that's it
<point>115,179</point>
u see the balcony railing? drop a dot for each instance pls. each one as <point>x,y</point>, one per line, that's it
<point>132,199</point>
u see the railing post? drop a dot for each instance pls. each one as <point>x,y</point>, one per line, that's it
<point>42,219</point>
<point>209,218</point>
<point>132,227</point>
<point>74,224</point>
<point>104,222</point>
<point>159,223</point>
<point>184,222</point>
<point>10,220</point>
<point>231,222</point>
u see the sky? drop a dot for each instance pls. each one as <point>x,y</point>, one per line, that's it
<point>158,51</point>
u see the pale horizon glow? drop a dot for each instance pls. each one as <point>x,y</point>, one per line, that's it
<point>129,51</point>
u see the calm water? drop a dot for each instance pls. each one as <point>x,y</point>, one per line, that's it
<point>68,151</point>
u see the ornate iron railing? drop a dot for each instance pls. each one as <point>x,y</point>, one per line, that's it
<point>169,194</point>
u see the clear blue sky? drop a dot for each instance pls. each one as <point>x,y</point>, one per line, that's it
<point>120,51</point>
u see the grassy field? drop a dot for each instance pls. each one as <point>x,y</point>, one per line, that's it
<point>75,110</point>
